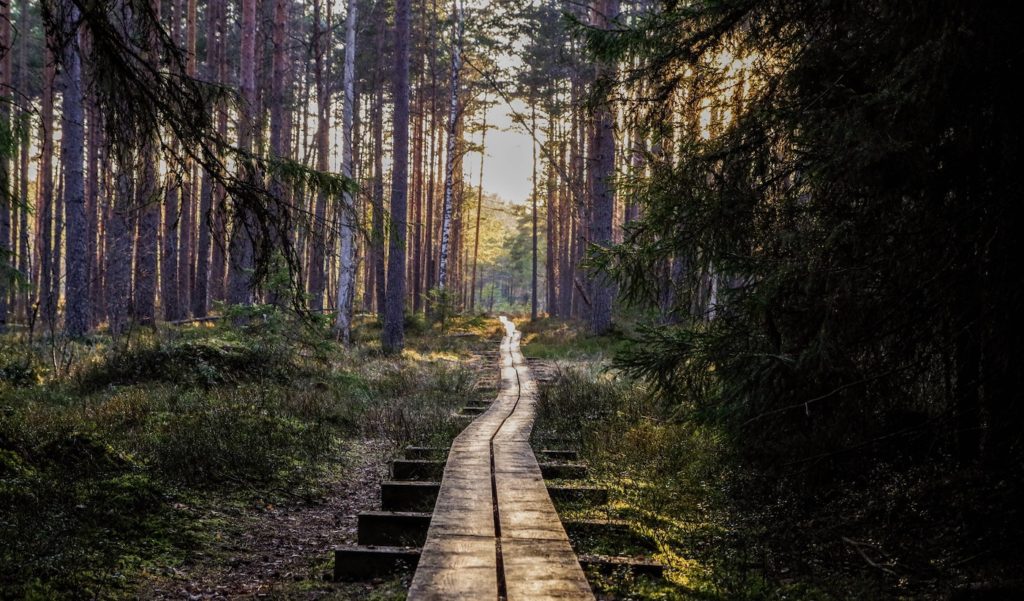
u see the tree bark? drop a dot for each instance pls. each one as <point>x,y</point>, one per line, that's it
<point>6,246</point>
<point>204,269</point>
<point>321,42</point>
<point>452,135</point>
<point>602,162</point>
<point>44,204</point>
<point>479,208</point>
<point>240,284</point>
<point>533,213</point>
<point>347,233</point>
<point>393,334</point>
<point>77,313</point>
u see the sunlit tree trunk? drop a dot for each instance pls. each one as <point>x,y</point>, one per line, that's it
<point>551,209</point>
<point>479,208</point>
<point>347,233</point>
<point>534,189</point>
<point>452,137</point>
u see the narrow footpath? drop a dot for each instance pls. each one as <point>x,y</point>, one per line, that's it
<point>495,533</point>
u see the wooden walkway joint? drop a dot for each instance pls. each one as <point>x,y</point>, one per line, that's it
<point>495,533</point>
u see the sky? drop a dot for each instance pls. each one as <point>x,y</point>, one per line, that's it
<point>508,164</point>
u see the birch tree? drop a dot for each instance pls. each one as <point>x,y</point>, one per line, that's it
<point>452,134</point>
<point>347,259</point>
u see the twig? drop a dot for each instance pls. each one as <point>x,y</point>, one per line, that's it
<point>859,548</point>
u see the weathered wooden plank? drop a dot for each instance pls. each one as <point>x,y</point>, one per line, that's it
<point>537,570</point>
<point>460,556</point>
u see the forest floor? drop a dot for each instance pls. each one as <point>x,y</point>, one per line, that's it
<point>218,462</point>
<point>214,462</point>
<point>850,527</point>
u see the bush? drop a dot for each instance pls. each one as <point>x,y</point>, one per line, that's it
<point>236,438</point>
<point>204,362</point>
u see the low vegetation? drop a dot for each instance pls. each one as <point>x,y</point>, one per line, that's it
<point>886,522</point>
<point>107,468</point>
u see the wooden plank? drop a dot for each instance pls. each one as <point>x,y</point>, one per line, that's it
<point>456,567</point>
<point>460,556</point>
<point>537,570</point>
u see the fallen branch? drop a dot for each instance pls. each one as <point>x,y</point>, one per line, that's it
<point>858,546</point>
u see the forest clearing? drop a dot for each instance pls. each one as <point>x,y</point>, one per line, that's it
<point>510,299</point>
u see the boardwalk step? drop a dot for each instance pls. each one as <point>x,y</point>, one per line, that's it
<point>563,471</point>
<point>363,563</point>
<point>606,564</point>
<point>397,528</point>
<point>471,411</point>
<point>408,496</point>
<point>417,469</point>
<point>586,495</point>
<point>475,403</point>
<point>560,455</point>
<point>412,452</point>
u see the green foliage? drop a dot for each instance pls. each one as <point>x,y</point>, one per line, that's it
<point>19,367</point>
<point>838,256</point>
<point>554,339</point>
<point>205,362</point>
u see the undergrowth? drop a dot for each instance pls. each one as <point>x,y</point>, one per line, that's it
<point>903,527</point>
<point>109,467</point>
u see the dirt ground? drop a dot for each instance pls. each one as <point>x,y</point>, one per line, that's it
<point>284,550</point>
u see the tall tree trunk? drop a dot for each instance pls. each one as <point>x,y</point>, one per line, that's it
<point>24,263</point>
<point>393,334</point>
<point>347,233</point>
<point>187,243</point>
<point>533,213</point>
<point>6,193</point>
<point>479,208</point>
<point>278,118</point>
<point>169,250</point>
<point>93,208</point>
<point>149,220</point>
<point>452,134</point>
<point>44,204</point>
<point>376,253</point>
<point>240,283</point>
<point>76,305</point>
<point>119,245</point>
<point>550,209</point>
<point>321,44</point>
<point>205,270</point>
<point>171,208</point>
<point>417,194</point>
<point>602,161</point>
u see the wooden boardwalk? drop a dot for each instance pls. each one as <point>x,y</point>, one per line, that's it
<point>494,531</point>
